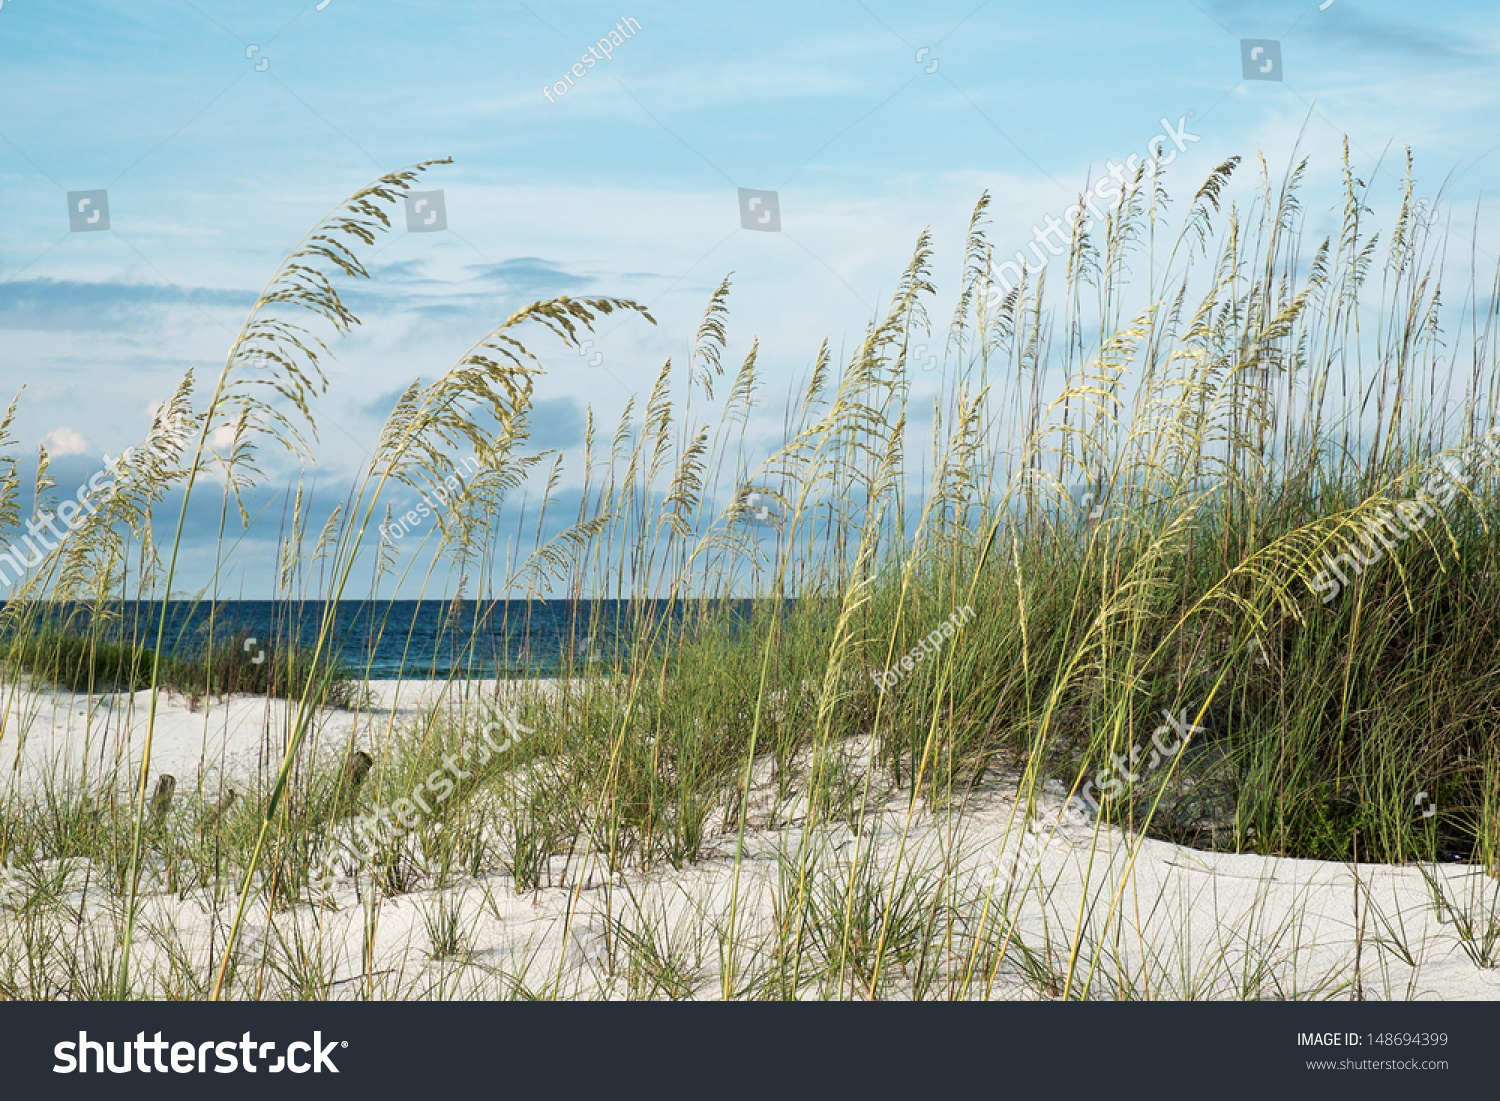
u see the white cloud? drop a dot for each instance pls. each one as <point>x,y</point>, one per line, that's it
<point>64,441</point>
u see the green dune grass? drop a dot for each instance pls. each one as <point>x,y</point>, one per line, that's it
<point>1239,400</point>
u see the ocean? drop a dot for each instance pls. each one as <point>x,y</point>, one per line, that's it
<point>414,639</point>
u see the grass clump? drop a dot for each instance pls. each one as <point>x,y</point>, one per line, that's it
<point>82,663</point>
<point>87,663</point>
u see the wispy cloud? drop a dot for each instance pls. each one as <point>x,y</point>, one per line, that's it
<point>68,305</point>
<point>533,277</point>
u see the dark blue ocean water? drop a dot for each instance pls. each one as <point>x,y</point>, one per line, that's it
<point>407,638</point>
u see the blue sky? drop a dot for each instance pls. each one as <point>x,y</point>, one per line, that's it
<point>223,131</point>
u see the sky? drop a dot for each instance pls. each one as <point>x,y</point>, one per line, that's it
<point>221,132</point>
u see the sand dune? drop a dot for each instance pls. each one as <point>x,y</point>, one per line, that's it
<point>1144,918</point>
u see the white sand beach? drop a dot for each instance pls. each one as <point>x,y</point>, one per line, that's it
<point>48,735</point>
<point>1143,918</point>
